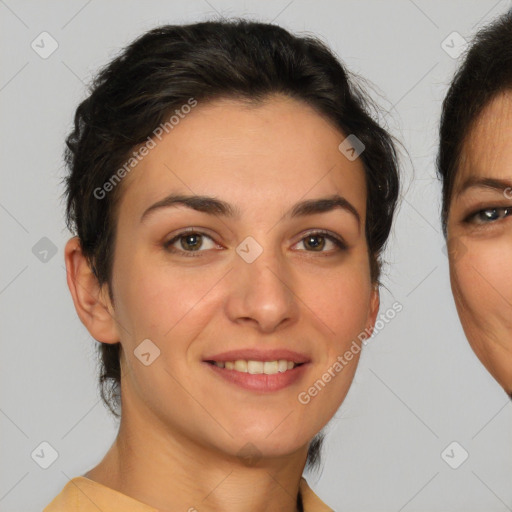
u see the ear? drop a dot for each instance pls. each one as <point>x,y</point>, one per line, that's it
<point>374,309</point>
<point>92,302</point>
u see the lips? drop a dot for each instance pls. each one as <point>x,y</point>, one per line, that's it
<point>258,370</point>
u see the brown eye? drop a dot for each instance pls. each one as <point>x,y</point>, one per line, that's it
<point>189,242</point>
<point>192,242</point>
<point>316,242</point>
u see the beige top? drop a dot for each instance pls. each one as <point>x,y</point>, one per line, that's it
<point>81,494</point>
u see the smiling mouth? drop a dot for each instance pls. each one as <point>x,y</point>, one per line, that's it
<point>257,367</point>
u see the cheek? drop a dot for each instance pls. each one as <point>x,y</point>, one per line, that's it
<point>164,302</point>
<point>170,303</point>
<point>482,280</point>
<point>341,301</point>
<point>154,299</point>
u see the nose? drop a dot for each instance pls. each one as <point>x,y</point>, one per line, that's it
<point>261,293</point>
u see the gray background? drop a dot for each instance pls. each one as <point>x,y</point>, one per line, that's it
<point>418,387</point>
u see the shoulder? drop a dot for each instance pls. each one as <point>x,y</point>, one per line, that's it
<point>81,494</point>
<point>310,501</point>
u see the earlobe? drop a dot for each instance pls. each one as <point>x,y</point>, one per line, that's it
<point>374,309</point>
<point>91,302</point>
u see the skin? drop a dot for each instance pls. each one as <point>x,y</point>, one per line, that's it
<point>179,418</point>
<point>480,237</point>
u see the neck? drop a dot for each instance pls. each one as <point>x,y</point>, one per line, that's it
<point>169,471</point>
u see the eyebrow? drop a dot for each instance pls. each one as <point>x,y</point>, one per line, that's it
<point>492,183</point>
<point>214,206</point>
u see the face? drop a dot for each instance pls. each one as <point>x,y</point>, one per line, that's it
<point>257,276</point>
<point>480,238</point>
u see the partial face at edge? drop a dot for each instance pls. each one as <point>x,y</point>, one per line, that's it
<point>196,297</point>
<point>480,238</point>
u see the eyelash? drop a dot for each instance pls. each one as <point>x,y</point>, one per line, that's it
<point>340,244</point>
<point>472,217</point>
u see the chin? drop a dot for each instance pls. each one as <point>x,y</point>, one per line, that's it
<point>267,444</point>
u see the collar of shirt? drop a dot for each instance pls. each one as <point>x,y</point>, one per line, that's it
<point>81,494</point>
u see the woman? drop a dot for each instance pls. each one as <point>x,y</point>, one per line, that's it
<point>231,197</point>
<point>475,164</point>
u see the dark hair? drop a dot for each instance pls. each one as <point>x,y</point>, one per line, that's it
<point>161,71</point>
<point>485,72</point>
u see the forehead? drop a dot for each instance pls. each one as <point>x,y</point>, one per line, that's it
<point>487,151</point>
<point>280,150</point>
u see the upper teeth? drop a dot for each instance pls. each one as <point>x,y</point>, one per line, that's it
<point>255,367</point>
